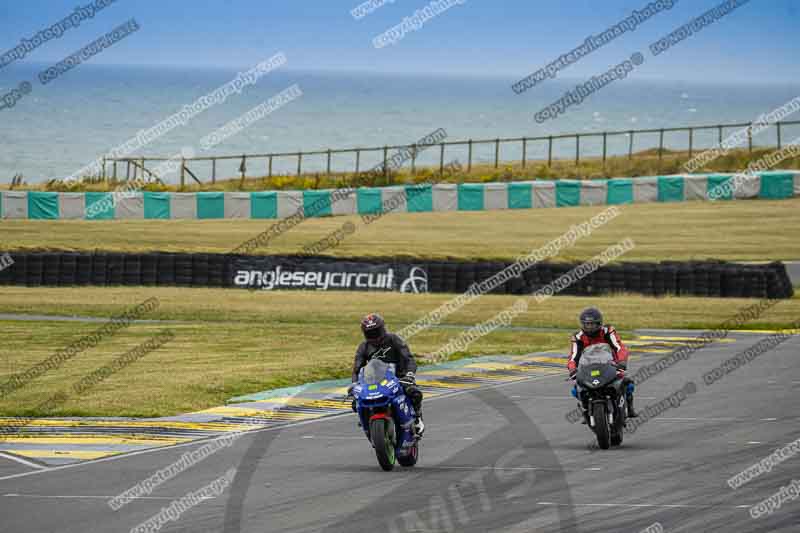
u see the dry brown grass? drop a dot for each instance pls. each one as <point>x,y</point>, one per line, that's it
<point>752,230</point>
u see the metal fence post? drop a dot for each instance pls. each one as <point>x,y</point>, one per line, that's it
<point>691,141</point>
<point>329,162</point>
<point>414,160</point>
<point>358,160</point>
<point>778,125</point>
<point>750,139</point>
<point>269,169</point>
<point>630,144</point>
<point>183,172</point>
<point>660,147</point>
<point>469,157</point>
<point>441,159</point>
<point>496,152</point>
<point>299,163</point>
<point>577,150</point>
<point>524,151</point>
<point>103,173</point>
<point>385,161</point>
<point>605,140</point>
<point>127,170</point>
<point>243,168</point>
<point>549,151</point>
<point>719,136</point>
<point>115,170</point>
<point>214,170</point>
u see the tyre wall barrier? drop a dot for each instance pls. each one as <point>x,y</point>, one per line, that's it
<point>695,278</point>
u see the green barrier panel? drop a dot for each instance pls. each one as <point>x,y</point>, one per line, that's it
<point>519,196</point>
<point>157,205</point>
<point>470,197</point>
<point>619,191</point>
<point>264,204</point>
<point>316,203</point>
<point>99,205</point>
<point>42,205</point>
<point>568,193</point>
<point>776,186</point>
<point>210,205</point>
<point>716,184</point>
<point>419,198</point>
<point>369,200</point>
<point>670,189</point>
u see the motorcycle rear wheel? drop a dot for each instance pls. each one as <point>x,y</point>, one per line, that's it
<point>601,428</point>
<point>382,432</point>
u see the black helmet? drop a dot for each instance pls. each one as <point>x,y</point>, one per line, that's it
<point>373,327</point>
<point>591,320</point>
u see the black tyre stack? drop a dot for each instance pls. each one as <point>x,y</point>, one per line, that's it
<point>149,269</point>
<point>200,270</point>
<point>697,278</point>
<point>84,270</point>
<point>183,270</point>
<point>7,273</point>
<point>115,273</point>
<point>216,270</point>
<point>166,270</point>
<point>99,269</point>
<point>435,277</point>
<point>19,269</point>
<point>51,265</point>
<point>450,277</point>
<point>67,271</point>
<point>34,270</point>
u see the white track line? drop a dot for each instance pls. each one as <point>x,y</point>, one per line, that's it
<point>22,461</point>
<point>493,468</point>
<point>259,430</point>
<point>562,398</point>
<point>87,497</point>
<point>658,505</point>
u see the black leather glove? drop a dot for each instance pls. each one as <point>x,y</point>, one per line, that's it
<point>409,379</point>
<point>350,388</point>
<point>573,374</point>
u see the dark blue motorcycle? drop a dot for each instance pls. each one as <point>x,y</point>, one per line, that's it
<point>601,393</point>
<point>386,415</point>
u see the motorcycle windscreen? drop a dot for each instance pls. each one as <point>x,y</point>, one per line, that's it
<point>596,354</point>
<point>375,371</point>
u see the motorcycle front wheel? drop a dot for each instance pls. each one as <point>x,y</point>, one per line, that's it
<point>601,428</point>
<point>383,439</point>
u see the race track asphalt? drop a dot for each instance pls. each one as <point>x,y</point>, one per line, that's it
<point>495,459</point>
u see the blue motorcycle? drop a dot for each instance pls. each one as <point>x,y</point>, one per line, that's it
<point>386,415</point>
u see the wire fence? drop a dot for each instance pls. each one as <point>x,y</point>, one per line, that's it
<point>519,149</point>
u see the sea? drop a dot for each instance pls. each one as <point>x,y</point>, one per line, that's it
<point>60,127</point>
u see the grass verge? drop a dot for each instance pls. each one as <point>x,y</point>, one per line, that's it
<point>231,342</point>
<point>734,230</point>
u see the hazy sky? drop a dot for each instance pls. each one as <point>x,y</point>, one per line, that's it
<point>511,38</point>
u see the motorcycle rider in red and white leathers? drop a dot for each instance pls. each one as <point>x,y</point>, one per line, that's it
<point>594,332</point>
